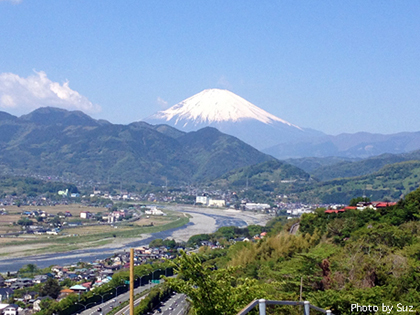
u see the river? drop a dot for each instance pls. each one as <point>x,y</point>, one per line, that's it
<point>92,254</point>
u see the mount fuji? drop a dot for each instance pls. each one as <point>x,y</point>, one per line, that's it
<point>231,114</point>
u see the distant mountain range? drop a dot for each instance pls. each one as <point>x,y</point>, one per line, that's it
<point>391,182</point>
<point>52,141</point>
<point>56,142</point>
<point>330,168</point>
<point>236,116</point>
<point>233,115</point>
<point>275,178</point>
<point>358,145</point>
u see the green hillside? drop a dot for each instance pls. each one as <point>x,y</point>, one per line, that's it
<point>267,180</point>
<point>311,164</point>
<point>334,261</point>
<point>389,183</point>
<point>363,167</point>
<point>266,176</point>
<point>57,142</point>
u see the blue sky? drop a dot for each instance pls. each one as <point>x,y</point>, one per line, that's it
<point>334,66</point>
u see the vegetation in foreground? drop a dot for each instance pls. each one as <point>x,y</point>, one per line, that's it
<point>357,257</point>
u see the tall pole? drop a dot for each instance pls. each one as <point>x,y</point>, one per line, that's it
<point>132,281</point>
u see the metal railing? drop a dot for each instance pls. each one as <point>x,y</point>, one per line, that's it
<point>262,303</point>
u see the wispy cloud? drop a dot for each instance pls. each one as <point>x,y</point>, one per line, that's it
<point>162,103</point>
<point>37,90</point>
<point>12,1</point>
<point>224,83</point>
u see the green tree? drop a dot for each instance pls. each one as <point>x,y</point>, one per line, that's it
<point>51,288</point>
<point>25,222</point>
<point>156,243</point>
<point>197,239</point>
<point>66,283</point>
<point>29,268</point>
<point>213,292</point>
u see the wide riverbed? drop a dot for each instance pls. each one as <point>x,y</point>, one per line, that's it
<point>202,221</point>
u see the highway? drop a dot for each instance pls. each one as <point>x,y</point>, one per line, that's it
<point>107,306</point>
<point>176,305</point>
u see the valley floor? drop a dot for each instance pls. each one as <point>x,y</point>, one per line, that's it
<point>194,220</point>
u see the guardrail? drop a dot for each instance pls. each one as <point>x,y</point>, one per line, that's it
<point>262,303</point>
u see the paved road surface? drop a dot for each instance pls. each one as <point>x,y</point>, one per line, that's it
<point>294,228</point>
<point>110,304</point>
<point>176,305</point>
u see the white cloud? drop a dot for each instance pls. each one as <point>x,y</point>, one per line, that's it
<point>39,91</point>
<point>162,103</point>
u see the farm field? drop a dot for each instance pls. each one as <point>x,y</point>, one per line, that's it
<point>14,214</point>
<point>74,209</point>
<point>81,237</point>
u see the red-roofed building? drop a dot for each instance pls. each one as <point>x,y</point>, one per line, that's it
<point>334,210</point>
<point>383,204</point>
<point>87,285</point>
<point>350,208</point>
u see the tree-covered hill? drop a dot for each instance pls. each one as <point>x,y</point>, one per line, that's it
<point>57,142</point>
<point>363,167</point>
<point>389,183</point>
<point>266,176</point>
<point>335,261</point>
<point>269,179</point>
<point>31,187</point>
<point>311,164</point>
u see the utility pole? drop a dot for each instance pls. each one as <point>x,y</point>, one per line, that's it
<point>131,281</point>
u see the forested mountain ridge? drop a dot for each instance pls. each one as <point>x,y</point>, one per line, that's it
<point>51,141</point>
<point>363,167</point>
<point>391,182</point>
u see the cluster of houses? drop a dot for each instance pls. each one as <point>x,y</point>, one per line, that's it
<point>205,200</point>
<point>84,277</point>
<point>110,217</point>
<point>123,195</point>
<point>375,205</point>
<point>37,213</point>
<point>216,245</point>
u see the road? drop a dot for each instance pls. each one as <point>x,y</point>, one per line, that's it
<point>294,228</point>
<point>176,305</point>
<point>107,306</point>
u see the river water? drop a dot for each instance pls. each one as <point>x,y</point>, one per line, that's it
<point>92,254</point>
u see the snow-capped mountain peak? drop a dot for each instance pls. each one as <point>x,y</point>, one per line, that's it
<point>215,106</point>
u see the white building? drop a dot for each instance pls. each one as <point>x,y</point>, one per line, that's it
<point>202,199</point>
<point>9,309</point>
<point>256,206</point>
<point>85,215</point>
<point>217,203</point>
<point>154,211</point>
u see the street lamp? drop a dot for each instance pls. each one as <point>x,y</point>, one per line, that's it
<point>85,306</point>
<point>102,296</point>
<point>116,289</point>
<point>153,273</point>
<point>140,280</point>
